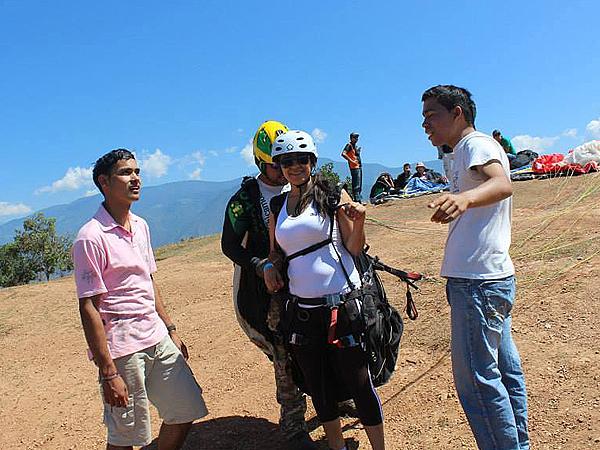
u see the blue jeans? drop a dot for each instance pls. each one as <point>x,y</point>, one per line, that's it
<point>485,362</point>
<point>356,175</point>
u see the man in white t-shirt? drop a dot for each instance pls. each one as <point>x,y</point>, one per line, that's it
<point>480,274</point>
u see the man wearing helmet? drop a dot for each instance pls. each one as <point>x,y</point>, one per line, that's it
<point>245,240</point>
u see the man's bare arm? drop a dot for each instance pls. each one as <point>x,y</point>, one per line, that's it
<point>347,157</point>
<point>497,187</point>
<point>114,388</point>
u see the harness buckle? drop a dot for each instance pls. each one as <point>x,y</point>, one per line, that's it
<point>333,300</point>
<point>297,339</point>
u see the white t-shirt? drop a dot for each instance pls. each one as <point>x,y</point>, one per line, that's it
<point>317,273</point>
<point>447,159</point>
<point>266,194</point>
<point>478,240</point>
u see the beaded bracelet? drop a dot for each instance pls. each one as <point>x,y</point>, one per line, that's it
<point>112,376</point>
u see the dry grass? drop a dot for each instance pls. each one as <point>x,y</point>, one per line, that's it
<point>199,245</point>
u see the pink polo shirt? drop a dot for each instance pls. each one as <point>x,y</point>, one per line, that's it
<point>111,261</point>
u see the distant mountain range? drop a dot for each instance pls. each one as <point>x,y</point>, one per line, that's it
<point>182,209</point>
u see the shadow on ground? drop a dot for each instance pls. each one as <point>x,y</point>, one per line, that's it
<point>238,433</point>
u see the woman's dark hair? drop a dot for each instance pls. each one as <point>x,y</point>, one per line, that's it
<point>105,163</point>
<point>450,96</point>
<point>322,191</point>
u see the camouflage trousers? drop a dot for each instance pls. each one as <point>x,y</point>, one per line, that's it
<point>292,401</point>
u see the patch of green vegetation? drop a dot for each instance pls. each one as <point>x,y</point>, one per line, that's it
<point>185,246</point>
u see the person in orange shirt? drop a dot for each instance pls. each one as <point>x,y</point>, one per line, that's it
<point>351,153</point>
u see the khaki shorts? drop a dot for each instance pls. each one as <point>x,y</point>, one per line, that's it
<point>158,375</point>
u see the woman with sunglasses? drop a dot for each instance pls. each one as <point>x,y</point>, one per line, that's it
<point>323,286</point>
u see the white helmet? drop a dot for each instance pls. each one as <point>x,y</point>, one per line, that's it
<point>293,141</point>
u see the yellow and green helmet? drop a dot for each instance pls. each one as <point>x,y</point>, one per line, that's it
<point>263,139</point>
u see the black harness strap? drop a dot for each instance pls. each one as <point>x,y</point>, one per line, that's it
<point>310,249</point>
<point>313,247</point>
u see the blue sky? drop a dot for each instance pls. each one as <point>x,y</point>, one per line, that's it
<point>185,84</point>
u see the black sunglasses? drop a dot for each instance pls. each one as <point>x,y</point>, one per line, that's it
<point>289,161</point>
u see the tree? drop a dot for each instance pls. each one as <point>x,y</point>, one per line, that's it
<point>328,172</point>
<point>15,268</point>
<point>347,184</point>
<point>46,251</point>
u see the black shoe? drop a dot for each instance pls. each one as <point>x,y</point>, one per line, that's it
<point>302,441</point>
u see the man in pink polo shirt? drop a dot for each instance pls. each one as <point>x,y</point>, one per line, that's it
<point>134,343</point>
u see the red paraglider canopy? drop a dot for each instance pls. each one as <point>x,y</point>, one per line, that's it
<point>554,163</point>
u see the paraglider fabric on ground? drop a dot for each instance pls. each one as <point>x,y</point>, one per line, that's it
<point>414,188</point>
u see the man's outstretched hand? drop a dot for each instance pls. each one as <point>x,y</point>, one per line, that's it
<point>448,207</point>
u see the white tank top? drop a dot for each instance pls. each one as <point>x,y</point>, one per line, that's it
<point>317,273</point>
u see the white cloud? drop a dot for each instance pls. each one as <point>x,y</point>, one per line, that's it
<point>240,130</point>
<point>538,144</point>
<point>213,153</point>
<point>195,175</point>
<point>156,165</point>
<point>13,209</point>
<point>570,132</point>
<point>230,149</point>
<point>593,128</point>
<point>198,157</point>
<point>319,135</point>
<point>75,178</point>
<point>91,192</point>
<point>248,154</point>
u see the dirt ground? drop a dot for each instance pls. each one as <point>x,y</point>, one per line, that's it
<point>49,398</point>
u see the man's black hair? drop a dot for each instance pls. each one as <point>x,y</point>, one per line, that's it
<point>496,133</point>
<point>105,163</point>
<point>450,96</point>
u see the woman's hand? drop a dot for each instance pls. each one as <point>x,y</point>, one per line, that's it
<point>273,279</point>
<point>351,217</point>
<point>354,211</point>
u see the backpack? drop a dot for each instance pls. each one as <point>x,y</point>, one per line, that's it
<point>523,158</point>
<point>382,323</point>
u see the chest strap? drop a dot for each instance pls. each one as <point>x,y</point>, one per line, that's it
<point>308,250</point>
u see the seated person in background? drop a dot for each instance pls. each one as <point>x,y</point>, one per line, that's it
<point>426,174</point>
<point>383,185</point>
<point>402,179</point>
<point>506,144</point>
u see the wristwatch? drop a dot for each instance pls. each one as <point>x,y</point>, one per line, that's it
<point>171,327</point>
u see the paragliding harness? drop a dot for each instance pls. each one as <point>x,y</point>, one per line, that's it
<point>373,323</point>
